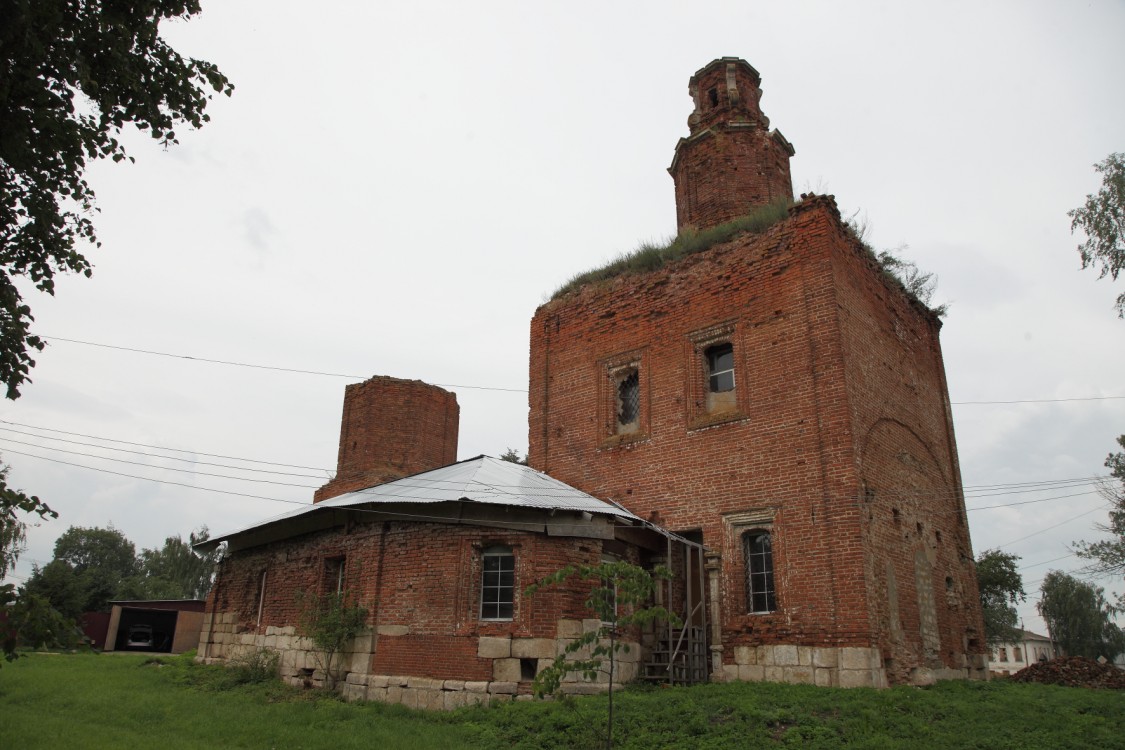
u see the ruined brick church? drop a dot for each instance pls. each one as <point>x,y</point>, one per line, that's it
<point>768,417</point>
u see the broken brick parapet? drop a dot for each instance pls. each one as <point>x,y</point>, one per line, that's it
<point>392,428</point>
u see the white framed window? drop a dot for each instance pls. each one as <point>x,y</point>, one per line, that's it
<point>720,368</point>
<point>757,555</point>
<point>497,583</point>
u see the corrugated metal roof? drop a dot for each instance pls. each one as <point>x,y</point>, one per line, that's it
<point>482,479</point>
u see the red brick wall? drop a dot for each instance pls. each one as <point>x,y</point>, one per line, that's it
<point>425,576</point>
<point>730,162</point>
<point>800,306</point>
<point>392,428</point>
<point>913,508</point>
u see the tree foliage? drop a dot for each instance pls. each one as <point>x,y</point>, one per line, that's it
<point>14,506</point>
<point>620,596</point>
<point>88,570</point>
<point>1001,588</point>
<point>331,621</point>
<point>513,456</point>
<point>1079,618</point>
<point>94,566</point>
<point>73,73</point>
<point>176,570</point>
<point>1107,557</point>
<point>1102,219</point>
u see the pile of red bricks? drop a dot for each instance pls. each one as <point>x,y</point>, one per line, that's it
<point>1073,671</point>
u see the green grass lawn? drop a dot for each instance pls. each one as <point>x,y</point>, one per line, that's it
<point>119,701</point>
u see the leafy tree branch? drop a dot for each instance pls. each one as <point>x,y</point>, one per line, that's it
<point>1102,219</point>
<point>72,75</point>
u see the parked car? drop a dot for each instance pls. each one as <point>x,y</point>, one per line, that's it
<point>139,637</point>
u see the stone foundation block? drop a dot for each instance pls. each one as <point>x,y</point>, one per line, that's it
<point>799,675</point>
<point>825,657</point>
<point>785,656</point>
<point>856,678</point>
<point>457,685</point>
<point>857,658</point>
<point>503,688</point>
<point>494,648</point>
<point>452,699</point>
<point>393,630</point>
<point>569,628</point>
<point>476,687</point>
<point>353,693</point>
<point>750,672</point>
<point>533,648</point>
<point>745,655</point>
<point>506,670</point>
<point>474,699</point>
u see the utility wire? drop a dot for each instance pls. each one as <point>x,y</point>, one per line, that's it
<point>150,455</point>
<point>1016,488</point>
<point>263,367</point>
<point>469,387</point>
<point>160,447</point>
<point>1052,526</point>
<point>149,466</point>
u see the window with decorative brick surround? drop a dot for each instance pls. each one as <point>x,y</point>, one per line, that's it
<point>749,535</point>
<point>497,583</point>
<point>713,388</point>
<point>623,400</point>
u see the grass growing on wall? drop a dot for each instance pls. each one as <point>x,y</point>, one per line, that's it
<point>650,257</point>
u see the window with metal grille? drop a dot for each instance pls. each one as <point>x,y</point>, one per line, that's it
<point>757,553</point>
<point>720,368</point>
<point>628,398</point>
<point>497,583</point>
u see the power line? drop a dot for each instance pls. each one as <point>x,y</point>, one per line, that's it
<point>163,448</point>
<point>1016,488</point>
<point>1038,400</point>
<point>142,453</point>
<point>395,513</point>
<point>263,367</point>
<point>1052,526</point>
<point>468,387</point>
<point>148,466</point>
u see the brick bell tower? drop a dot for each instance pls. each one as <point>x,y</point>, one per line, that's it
<point>731,162</point>
<point>392,428</point>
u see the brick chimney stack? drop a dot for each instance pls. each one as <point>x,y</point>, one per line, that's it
<point>731,162</point>
<point>390,429</point>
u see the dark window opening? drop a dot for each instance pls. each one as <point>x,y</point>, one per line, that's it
<point>333,575</point>
<point>720,368</point>
<point>498,579</point>
<point>757,553</point>
<point>628,399</point>
<point>713,95</point>
<point>528,669</point>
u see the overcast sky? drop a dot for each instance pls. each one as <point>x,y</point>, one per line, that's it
<point>395,187</point>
